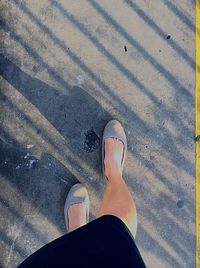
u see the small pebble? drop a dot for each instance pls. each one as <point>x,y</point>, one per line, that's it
<point>80,78</point>
<point>91,178</point>
<point>17,167</point>
<point>31,163</point>
<point>30,146</point>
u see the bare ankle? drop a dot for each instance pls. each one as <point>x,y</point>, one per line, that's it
<point>114,176</point>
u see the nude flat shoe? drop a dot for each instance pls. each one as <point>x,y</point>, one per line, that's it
<point>114,129</point>
<point>77,194</point>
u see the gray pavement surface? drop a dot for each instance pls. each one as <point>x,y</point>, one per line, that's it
<point>67,68</point>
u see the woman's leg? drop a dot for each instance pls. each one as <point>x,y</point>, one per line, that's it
<point>117,199</point>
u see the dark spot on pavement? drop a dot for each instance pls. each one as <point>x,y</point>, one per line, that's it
<point>160,50</point>
<point>146,146</point>
<point>180,203</point>
<point>125,48</point>
<point>38,131</point>
<point>169,36</point>
<point>92,141</point>
<point>151,157</point>
<point>35,68</point>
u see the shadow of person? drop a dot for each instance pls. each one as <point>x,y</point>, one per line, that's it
<point>44,182</point>
<point>77,115</point>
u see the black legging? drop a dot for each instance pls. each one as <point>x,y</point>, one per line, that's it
<point>104,242</point>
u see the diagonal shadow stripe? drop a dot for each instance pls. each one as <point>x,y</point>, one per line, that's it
<point>25,87</point>
<point>105,52</point>
<point>9,241</point>
<point>186,166</point>
<point>113,60</point>
<point>61,151</point>
<point>170,5</point>
<point>33,53</point>
<point>20,76</point>
<point>93,76</point>
<point>161,33</point>
<point>101,48</point>
<point>170,78</point>
<point>161,252</point>
<point>147,57</point>
<point>37,233</point>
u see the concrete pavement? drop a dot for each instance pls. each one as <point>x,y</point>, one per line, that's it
<point>67,68</point>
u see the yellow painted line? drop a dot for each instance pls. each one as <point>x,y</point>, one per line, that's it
<point>197,134</point>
